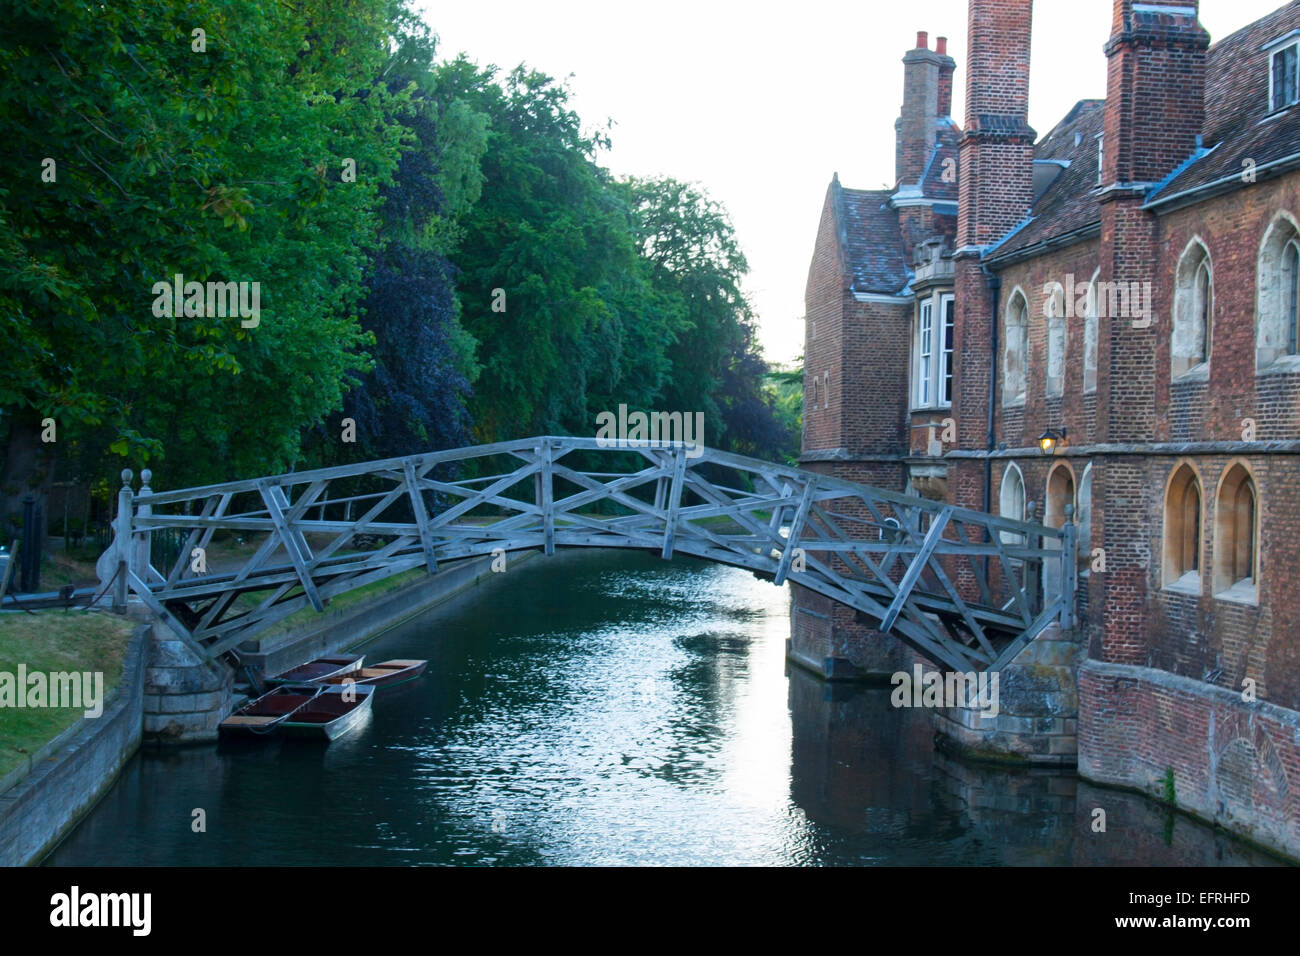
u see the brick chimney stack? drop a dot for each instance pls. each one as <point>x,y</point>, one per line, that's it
<point>995,193</point>
<point>947,66</point>
<point>916,125</point>
<point>997,153</point>
<point>1155,109</point>
<point>1155,89</point>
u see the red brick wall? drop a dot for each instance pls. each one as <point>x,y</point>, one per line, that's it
<point>873,400</point>
<point>996,186</point>
<point>865,348</point>
<point>1235,763</point>
<point>1020,426</point>
<point>823,335</point>
<point>1231,228</point>
<point>1155,88</point>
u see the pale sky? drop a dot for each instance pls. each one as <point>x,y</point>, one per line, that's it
<point>760,103</point>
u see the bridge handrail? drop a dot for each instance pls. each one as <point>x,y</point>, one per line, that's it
<point>575,443</point>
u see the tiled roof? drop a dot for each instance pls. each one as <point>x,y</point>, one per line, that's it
<point>1068,203</point>
<point>1236,107</point>
<point>947,147</point>
<point>1237,128</point>
<point>1236,101</point>
<point>872,242</point>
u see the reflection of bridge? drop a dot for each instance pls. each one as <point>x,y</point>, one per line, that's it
<point>961,587</point>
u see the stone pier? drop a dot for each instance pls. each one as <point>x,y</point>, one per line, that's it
<point>185,697</point>
<point>1037,721</point>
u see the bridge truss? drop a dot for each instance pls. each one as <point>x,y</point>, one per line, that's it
<point>966,589</point>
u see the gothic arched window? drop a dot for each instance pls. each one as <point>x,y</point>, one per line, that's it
<point>1182,531</point>
<point>1015,357</point>
<point>1277,331</point>
<point>1193,313</point>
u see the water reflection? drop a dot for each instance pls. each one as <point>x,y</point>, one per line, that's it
<point>612,708</point>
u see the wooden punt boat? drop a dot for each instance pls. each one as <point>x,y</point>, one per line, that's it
<point>319,669</point>
<point>385,674</point>
<point>263,715</point>
<point>331,713</point>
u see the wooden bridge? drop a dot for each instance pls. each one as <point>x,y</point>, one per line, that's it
<point>966,589</point>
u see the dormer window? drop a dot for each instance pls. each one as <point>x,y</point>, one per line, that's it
<point>1284,77</point>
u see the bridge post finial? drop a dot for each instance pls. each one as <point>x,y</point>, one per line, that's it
<point>142,552</point>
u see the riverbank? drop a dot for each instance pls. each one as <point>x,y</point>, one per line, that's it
<point>66,775</point>
<point>58,762</point>
<point>51,642</point>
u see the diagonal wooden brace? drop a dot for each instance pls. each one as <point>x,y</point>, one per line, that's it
<point>421,515</point>
<point>796,531</point>
<point>167,617</point>
<point>293,541</point>
<point>913,573</point>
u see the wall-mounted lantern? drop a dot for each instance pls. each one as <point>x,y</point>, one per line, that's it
<point>1051,440</point>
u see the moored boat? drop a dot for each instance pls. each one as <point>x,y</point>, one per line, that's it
<point>319,669</point>
<point>266,713</point>
<point>383,674</point>
<point>329,715</point>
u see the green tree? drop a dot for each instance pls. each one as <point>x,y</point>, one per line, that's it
<point>218,156</point>
<point>716,364</point>
<point>547,261</point>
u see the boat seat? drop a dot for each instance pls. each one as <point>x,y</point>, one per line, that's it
<point>246,721</point>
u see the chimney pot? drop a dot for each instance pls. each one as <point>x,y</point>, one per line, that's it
<point>922,40</point>
<point>941,46</point>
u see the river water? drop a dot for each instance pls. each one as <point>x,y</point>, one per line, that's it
<point>613,708</point>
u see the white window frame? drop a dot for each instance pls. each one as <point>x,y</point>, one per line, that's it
<point>1057,334</point>
<point>924,354</point>
<point>931,357</point>
<point>1272,57</point>
<point>1192,307</point>
<point>947,324</point>
<point>1012,477</point>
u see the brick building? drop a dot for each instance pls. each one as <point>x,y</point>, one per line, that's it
<point>1130,282</point>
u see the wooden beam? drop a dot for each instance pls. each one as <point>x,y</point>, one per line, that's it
<point>276,503</point>
<point>913,572</point>
<point>674,503</point>
<point>796,531</point>
<point>421,515</point>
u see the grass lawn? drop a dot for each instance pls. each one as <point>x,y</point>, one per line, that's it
<point>55,641</point>
<point>343,601</point>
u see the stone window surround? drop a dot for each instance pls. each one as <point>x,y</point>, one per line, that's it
<point>1018,306</point>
